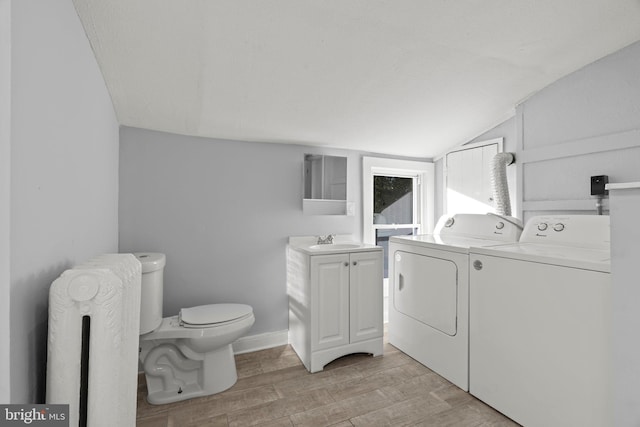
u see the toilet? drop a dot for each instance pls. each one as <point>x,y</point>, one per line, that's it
<point>190,354</point>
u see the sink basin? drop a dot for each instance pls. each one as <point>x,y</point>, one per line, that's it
<point>335,246</point>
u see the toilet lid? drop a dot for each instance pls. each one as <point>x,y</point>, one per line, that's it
<point>211,314</point>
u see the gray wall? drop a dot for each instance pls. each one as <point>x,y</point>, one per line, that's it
<point>63,173</point>
<point>508,132</point>
<point>222,212</point>
<point>5,223</point>
<point>585,124</point>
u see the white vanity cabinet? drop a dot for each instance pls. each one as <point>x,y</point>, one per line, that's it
<point>335,304</point>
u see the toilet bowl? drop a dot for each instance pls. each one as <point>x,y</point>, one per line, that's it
<point>190,354</point>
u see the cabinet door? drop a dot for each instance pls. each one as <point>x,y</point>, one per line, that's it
<point>365,295</point>
<point>330,301</point>
<point>468,182</point>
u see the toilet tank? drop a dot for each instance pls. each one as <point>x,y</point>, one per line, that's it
<point>152,289</point>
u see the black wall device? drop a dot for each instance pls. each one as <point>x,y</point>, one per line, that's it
<point>597,185</point>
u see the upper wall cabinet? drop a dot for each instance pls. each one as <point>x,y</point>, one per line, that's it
<point>468,177</point>
<point>325,177</point>
<point>325,185</point>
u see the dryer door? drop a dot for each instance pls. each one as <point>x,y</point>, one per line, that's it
<point>426,289</point>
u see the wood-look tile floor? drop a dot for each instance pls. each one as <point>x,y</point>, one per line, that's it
<point>274,389</point>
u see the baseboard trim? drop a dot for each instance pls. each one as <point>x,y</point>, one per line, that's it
<point>261,341</point>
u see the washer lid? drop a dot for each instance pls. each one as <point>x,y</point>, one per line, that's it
<point>450,243</point>
<point>213,313</point>
<point>563,256</point>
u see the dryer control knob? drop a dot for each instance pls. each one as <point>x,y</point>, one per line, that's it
<point>558,227</point>
<point>449,222</point>
<point>477,264</point>
<point>500,225</point>
<point>542,226</point>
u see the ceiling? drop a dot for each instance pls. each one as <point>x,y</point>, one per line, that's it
<point>401,77</point>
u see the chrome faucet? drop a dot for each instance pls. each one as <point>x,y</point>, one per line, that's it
<point>326,240</point>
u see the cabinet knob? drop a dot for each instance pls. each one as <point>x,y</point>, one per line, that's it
<point>355,262</point>
<point>346,264</point>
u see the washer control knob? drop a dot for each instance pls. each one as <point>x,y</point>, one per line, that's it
<point>477,264</point>
<point>558,227</point>
<point>449,222</point>
<point>542,226</point>
<point>500,225</point>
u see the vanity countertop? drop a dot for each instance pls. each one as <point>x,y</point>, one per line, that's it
<point>341,244</point>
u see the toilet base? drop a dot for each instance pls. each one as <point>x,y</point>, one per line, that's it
<point>170,383</point>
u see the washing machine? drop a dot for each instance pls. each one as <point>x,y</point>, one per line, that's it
<point>540,322</point>
<point>429,290</point>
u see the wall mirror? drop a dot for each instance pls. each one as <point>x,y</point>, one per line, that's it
<point>325,185</point>
<point>325,177</point>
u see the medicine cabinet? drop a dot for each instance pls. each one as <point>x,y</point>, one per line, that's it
<point>325,185</point>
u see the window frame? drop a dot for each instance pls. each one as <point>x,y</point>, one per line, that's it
<point>423,171</point>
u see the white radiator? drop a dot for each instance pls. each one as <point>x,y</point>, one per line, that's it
<point>94,326</point>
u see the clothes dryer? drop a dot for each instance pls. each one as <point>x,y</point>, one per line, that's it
<point>429,290</point>
<point>540,323</point>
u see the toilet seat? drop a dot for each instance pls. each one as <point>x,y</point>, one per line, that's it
<point>211,315</point>
<point>171,328</point>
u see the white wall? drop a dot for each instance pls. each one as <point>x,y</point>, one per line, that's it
<point>625,253</point>
<point>64,173</point>
<point>585,124</point>
<point>5,168</point>
<point>222,212</point>
<point>589,124</point>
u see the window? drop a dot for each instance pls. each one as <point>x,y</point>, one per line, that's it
<point>397,199</point>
